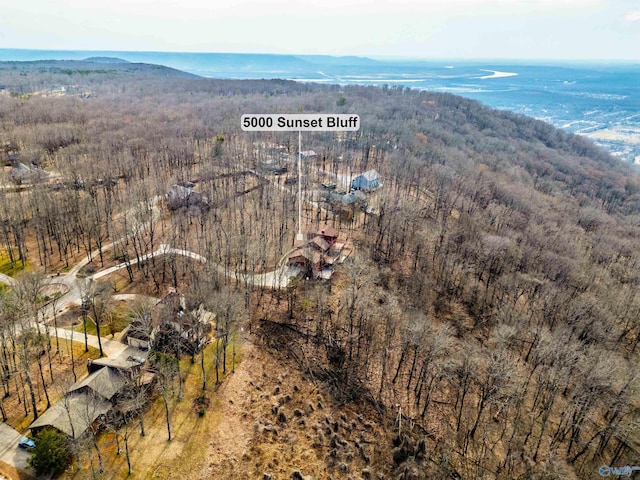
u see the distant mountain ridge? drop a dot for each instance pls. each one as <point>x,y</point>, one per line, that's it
<point>65,73</point>
<point>205,64</point>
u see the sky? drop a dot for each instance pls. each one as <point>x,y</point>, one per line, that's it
<point>465,29</point>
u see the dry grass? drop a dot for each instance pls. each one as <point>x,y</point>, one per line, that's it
<point>277,422</point>
<point>12,473</point>
<point>240,436</point>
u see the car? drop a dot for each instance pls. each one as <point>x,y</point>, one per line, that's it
<point>26,443</point>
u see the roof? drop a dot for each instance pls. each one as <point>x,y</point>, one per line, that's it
<point>120,363</point>
<point>204,316</point>
<point>371,175</point>
<point>105,382</point>
<point>325,273</point>
<point>21,167</point>
<point>185,196</point>
<point>297,255</point>
<point>321,243</point>
<point>328,231</point>
<point>81,408</point>
<point>312,256</point>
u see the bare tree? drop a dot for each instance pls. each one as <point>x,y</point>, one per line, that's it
<point>99,298</point>
<point>28,290</point>
<point>230,314</point>
<point>166,369</point>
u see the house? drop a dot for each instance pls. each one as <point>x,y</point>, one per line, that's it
<point>22,175</point>
<point>184,195</point>
<point>366,181</point>
<point>87,402</point>
<point>354,197</point>
<point>172,319</point>
<point>341,199</point>
<point>72,415</point>
<point>317,256</point>
<point>126,365</point>
<point>327,233</point>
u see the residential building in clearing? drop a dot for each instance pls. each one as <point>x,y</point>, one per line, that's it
<point>88,402</point>
<point>318,255</point>
<point>366,181</point>
<point>186,196</point>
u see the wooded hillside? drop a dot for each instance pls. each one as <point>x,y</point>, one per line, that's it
<point>492,297</point>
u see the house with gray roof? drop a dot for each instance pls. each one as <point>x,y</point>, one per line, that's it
<point>366,181</point>
<point>89,401</point>
<point>73,414</point>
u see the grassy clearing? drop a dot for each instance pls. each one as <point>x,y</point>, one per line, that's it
<point>119,282</point>
<point>92,329</point>
<point>11,269</point>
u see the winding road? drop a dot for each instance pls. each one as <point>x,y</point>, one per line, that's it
<point>276,279</point>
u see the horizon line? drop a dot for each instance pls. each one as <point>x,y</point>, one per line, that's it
<point>373,57</point>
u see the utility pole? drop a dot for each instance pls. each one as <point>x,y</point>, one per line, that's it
<point>300,237</point>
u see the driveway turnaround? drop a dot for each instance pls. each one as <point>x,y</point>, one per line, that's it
<point>10,453</point>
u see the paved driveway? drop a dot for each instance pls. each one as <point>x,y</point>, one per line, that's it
<point>10,453</point>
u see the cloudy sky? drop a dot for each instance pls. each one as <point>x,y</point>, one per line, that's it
<point>484,29</point>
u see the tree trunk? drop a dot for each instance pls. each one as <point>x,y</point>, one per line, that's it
<point>126,451</point>
<point>204,371</point>
<point>166,412</point>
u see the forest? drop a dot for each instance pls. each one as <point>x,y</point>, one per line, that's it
<point>489,311</point>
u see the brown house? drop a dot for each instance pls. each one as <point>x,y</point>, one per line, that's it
<point>318,255</point>
<point>327,233</point>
